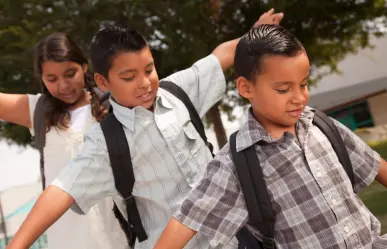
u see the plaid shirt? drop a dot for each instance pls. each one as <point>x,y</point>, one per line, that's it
<point>311,195</point>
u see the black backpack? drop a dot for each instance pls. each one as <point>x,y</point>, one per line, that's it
<point>261,215</point>
<point>120,160</point>
<point>119,154</point>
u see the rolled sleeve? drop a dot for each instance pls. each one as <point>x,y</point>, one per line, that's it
<point>216,206</point>
<point>365,161</point>
<point>88,178</point>
<point>204,83</point>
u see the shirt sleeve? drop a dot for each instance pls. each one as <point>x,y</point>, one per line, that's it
<point>216,206</point>
<point>365,161</point>
<point>88,178</point>
<point>32,100</point>
<point>204,83</point>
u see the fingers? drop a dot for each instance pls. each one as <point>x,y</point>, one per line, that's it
<point>277,18</point>
<point>270,12</point>
<point>270,18</point>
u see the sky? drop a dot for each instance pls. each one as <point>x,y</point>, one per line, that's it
<point>18,165</point>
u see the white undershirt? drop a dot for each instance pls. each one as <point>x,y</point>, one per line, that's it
<point>79,117</point>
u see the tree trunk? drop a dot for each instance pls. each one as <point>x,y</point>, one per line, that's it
<point>214,116</point>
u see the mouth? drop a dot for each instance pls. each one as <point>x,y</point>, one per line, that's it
<point>295,113</point>
<point>146,96</point>
<point>67,95</point>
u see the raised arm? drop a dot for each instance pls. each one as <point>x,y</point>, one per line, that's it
<point>50,206</point>
<point>14,108</point>
<point>225,52</point>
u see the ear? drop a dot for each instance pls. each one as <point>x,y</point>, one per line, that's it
<point>244,87</point>
<point>101,82</point>
<point>85,67</point>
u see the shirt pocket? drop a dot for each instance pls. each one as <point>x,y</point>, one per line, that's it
<point>191,138</point>
<point>194,151</point>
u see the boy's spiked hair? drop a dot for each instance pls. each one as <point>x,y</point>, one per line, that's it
<point>109,42</point>
<point>262,41</point>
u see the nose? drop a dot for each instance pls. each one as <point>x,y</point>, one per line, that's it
<point>298,97</point>
<point>63,85</point>
<point>145,83</point>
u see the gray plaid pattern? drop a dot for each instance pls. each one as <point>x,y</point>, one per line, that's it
<point>311,194</point>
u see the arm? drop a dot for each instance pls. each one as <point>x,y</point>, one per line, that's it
<point>177,232</point>
<point>83,183</point>
<point>366,163</point>
<point>225,52</point>
<point>215,208</point>
<point>14,108</point>
<point>204,82</point>
<point>382,174</point>
<point>50,206</point>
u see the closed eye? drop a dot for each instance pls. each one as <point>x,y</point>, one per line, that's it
<point>128,79</point>
<point>282,91</point>
<point>70,75</point>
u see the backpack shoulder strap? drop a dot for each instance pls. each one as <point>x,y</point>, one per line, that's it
<point>40,129</point>
<point>326,125</point>
<point>195,118</point>
<point>39,123</point>
<point>261,214</point>
<point>121,163</point>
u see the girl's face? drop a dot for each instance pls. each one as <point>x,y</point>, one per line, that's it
<point>64,80</point>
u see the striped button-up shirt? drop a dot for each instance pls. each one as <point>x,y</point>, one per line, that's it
<point>312,197</point>
<point>168,155</point>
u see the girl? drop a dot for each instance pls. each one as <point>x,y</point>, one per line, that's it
<point>69,111</point>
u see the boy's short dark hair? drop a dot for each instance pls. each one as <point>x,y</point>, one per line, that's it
<point>110,41</point>
<point>263,40</point>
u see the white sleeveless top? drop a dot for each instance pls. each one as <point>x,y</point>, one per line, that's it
<point>99,228</point>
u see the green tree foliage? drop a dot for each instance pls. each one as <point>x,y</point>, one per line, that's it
<point>180,32</point>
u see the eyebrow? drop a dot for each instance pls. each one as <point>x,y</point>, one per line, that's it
<point>282,83</point>
<point>68,70</point>
<point>127,71</point>
<point>134,70</point>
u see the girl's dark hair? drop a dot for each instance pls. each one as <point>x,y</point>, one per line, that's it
<point>59,47</point>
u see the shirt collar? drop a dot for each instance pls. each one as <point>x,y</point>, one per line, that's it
<point>253,132</point>
<point>161,98</point>
<point>127,116</point>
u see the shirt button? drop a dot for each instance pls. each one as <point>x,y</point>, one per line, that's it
<point>346,229</point>
<point>334,202</point>
<point>318,174</point>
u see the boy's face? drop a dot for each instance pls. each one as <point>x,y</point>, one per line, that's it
<point>279,93</point>
<point>132,79</point>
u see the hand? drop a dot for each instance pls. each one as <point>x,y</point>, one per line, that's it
<point>269,18</point>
